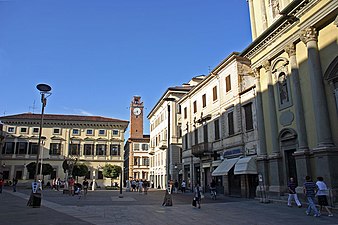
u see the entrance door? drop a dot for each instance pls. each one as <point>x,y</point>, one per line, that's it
<point>234,183</point>
<point>291,169</point>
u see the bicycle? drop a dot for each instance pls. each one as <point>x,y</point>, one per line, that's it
<point>213,193</point>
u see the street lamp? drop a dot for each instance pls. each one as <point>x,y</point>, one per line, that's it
<point>45,93</point>
<point>168,147</point>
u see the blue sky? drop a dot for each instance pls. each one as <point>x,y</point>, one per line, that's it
<point>97,54</point>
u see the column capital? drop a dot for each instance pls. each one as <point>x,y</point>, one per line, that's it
<point>290,49</point>
<point>266,65</point>
<point>308,34</point>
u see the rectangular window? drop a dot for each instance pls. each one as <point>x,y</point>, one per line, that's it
<point>196,136</point>
<point>33,148</point>
<point>74,149</point>
<point>101,149</point>
<point>248,117</point>
<point>205,133</point>
<point>115,150</point>
<point>8,148</point>
<point>136,161</point>
<point>11,129</point>
<point>231,123</point>
<point>204,100</point>
<point>76,131</point>
<point>21,148</point>
<point>88,149</point>
<point>217,133</point>
<point>100,175</point>
<point>145,161</point>
<point>56,131</point>
<point>186,141</point>
<point>195,106</point>
<point>35,130</point>
<point>23,130</point>
<point>115,132</point>
<point>55,149</point>
<point>89,132</point>
<point>227,83</point>
<point>185,112</point>
<point>136,146</point>
<point>214,93</point>
<point>144,147</point>
<point>102,132</point>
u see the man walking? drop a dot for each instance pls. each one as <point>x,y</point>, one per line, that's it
<point>310,191</point>
<point>292,193</point>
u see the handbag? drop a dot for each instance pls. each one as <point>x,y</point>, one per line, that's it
<point>194,202</point>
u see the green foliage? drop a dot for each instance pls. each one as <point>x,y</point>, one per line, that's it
<point>47,169</point>
<point>111,171</point>
<point>80,170</point>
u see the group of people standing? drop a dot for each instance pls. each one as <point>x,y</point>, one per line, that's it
<point>139,186</point>
<point>311,189</point>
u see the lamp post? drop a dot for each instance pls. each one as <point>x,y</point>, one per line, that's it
<point>45,93</point>
<point>168,147</point>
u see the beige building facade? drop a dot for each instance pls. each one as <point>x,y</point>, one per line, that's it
<point>219,129</point>
<point>294,56</point>
<point>92,140</point>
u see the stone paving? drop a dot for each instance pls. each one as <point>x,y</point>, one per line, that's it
<point>105,207</point>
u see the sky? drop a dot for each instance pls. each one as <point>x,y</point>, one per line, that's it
<point>97,54</point>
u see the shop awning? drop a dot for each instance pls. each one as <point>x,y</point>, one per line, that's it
<point>224,167</point>
<point>246,165</point>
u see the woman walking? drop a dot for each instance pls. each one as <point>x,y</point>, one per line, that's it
<point>197,195</point>
<point>321,195</point>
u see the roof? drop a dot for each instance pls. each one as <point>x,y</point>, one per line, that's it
<point>32,116</point>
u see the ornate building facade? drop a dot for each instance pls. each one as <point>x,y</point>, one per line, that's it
<point>92,140</point>
<point>294,56</point>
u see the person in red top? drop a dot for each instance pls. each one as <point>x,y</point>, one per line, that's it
<point>71,183</point>
<point>1,184</point>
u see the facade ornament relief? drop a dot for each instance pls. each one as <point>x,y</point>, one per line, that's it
<point>266,65</point>
<point>308,34</point>
<point>290,49</point>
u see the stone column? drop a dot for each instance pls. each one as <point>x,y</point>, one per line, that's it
<point>323,130</point>
<point>302,154</point>
<point>252,19</point>
<point>275,160</point>
<point>272,110</point>
<point>297,95</point>
<point>325,153</point>
<point>263,15</point>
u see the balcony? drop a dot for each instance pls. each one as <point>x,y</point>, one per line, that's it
<point>151,151</point>
<point>163,144</point>
<point>201,149</point>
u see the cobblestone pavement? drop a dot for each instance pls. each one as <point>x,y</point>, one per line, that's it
<point>105,207</point>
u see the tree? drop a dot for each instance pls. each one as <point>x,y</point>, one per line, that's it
<point>79,170</point>
<point>111,171</point>
<point>47,169</point>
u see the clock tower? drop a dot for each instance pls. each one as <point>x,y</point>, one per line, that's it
<point>136,118</point>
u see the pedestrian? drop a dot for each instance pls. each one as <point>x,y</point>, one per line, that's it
<point>292,192</point>
<point>58,183</point>
<point>321,195</point>
<point>71,183</point>
<point>15,182</point>
<point>309,189</point>
<point>145,186</point>
<point>175,186</point>
<point>1,184</point>
<point>197,195</point>
<point>85,185</point>
<point>140,186</point>
<point>183,185</point>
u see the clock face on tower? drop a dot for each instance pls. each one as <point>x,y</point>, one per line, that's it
<point>137,111</point>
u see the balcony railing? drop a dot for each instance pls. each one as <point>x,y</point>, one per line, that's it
<point>151,151</point>
<point>163,144</point>
<point>201,149</point>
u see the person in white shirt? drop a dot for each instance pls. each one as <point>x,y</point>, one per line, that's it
<point>321,195</point>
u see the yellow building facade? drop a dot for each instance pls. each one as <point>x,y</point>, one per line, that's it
<point>92,140</point>
<point>294,56</point>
